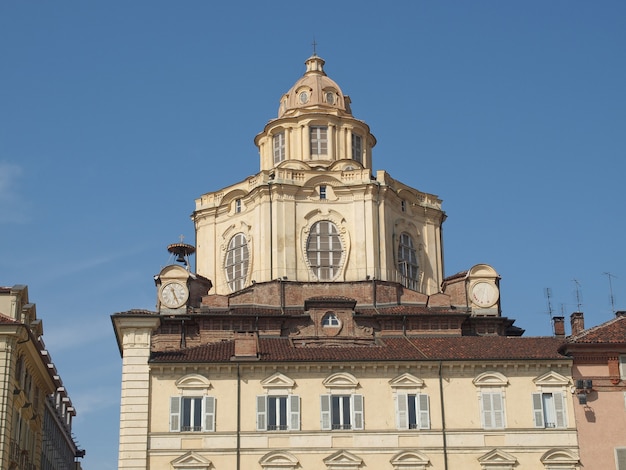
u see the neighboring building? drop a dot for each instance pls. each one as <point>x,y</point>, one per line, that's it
<point>36,411</point>
<point>319,331</point>
<point>599,374</point>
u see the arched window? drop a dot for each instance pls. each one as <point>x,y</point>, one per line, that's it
<point>407,262</point>
<point>236,265</point>
<point>324,250</point>
<point>330,320</point>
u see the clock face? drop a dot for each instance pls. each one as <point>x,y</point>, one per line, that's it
<point>174,294</point>
<point>484,294</point>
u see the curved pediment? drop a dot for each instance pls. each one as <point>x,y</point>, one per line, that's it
<point>279,459</point>
<point>410,460</point>
<point>491,379</point>
<point>341,380</point>
<point>193,381</point>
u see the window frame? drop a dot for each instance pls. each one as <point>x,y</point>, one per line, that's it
<point>408,263</point>
<point>331,421</point>
<point>324,259</point>
<point>236,270</point>
<point>492,418</point>
<point>291,412</point>
<point>318,142</point>
<point>421,410</point>
<point>330,320</point>
<point>558,409</point>
<point>357,147</point>
<point>206,414</point>
<point>278,147</point>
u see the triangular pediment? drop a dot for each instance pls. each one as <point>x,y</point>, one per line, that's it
<point>497,458</point>
<point>406,381</point>
<point>278,380</point>
<point>343,460</point>
<point>191,460</point>
<point>551,378</point>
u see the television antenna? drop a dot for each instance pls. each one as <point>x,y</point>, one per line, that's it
<point>578,295</point>
<point>548,295</point>
<point>610,276</point>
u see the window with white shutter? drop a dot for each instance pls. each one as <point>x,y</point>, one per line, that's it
<point>192,414</point>
<point>278,413</point>
<point>549,410</point>
<point>412,411</point>
<point>492,410</point>
<point>342,412</point>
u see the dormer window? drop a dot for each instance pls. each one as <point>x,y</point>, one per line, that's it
<point>319,141</point>
<point>403,205</point>
<point>330,97</point>
<point>279,148</point>
<point>357,148</point>
<point>237,205</point>
<point>322,192</point>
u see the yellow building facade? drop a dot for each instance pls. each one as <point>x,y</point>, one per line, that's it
<point>35,408</point>
<point>319,331</point>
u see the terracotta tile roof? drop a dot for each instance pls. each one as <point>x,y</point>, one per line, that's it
<point>611,332</point>
<point>5,319</point>
<point>463,348</point>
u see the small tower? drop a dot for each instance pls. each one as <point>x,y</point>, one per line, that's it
<point>177,287</point>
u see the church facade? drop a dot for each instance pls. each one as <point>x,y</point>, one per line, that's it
<point>318,330</point>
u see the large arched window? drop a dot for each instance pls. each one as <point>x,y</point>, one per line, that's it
<point>236,265</point>
<point>407,262</point>
<point>324,250</point>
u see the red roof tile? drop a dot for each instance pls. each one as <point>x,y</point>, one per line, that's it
<point>463,348</point>
<point>613,332</point>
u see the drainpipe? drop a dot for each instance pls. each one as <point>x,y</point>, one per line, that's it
<point>238,418</point>
<point>443,420</point>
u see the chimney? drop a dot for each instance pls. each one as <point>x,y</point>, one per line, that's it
<point>559,326</point>
<point>246,346</point>
<point>577,320</point>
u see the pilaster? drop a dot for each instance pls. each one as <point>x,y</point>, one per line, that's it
<point>135,337</point>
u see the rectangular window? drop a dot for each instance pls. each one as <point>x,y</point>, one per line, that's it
<point>322,192</point>
<point>277,413</point>
<point>319,141</point>
<point>620,458</point>
<point>342,412</point>
<point>192,414</point>
<point>357,148</point>
<point>237,205</point>
<point>549,410</point>
<point>622,367</point>
<point>412,411</point>
<point>279,148</point>
<point>492,410</point>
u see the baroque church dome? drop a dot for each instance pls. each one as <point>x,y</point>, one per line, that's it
<point>314,91</point>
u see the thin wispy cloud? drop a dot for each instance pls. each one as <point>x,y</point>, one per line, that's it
<point>12,206</point>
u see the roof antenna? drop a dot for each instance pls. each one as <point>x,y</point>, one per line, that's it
<point>610,276</point>
<point>548,294</point>
<point>578,295</point>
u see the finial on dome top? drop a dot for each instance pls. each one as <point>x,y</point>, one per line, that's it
<point>314,47</point>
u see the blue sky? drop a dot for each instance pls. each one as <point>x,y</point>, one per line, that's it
<point>115,116</point>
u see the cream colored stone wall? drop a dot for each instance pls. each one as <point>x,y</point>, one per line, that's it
<point>380,441</point>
